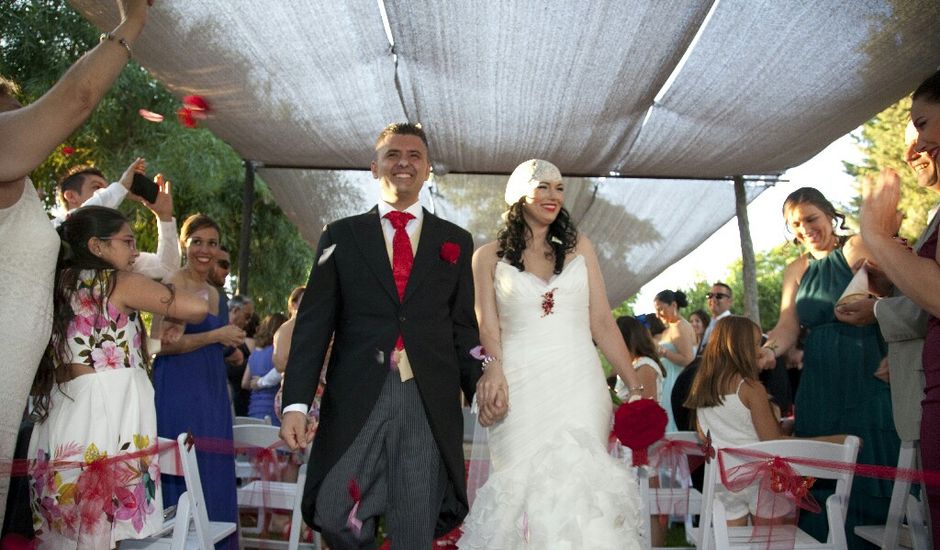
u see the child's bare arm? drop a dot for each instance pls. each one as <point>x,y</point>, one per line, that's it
<point>766,423</point>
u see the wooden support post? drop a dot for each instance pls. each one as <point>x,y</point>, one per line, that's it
<point>751,307</point>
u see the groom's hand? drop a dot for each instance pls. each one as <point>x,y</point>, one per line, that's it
<point>492,395</point>
<point>294,430</point>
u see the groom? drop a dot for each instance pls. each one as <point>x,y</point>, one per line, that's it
<point>393,288</point>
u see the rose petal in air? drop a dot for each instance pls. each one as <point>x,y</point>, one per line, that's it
<point>195,103</point>
<point>150,115</point>
<point>186,117</point>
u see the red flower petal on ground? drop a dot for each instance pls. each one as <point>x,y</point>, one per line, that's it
<point>68,150</point>
<point>150,116</point>
<point>186,117</point>
<point>450,252</point>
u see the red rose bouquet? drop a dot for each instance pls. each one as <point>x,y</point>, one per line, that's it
<point>639,424</point>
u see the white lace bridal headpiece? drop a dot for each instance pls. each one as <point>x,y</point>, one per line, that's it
<point>527,176</point>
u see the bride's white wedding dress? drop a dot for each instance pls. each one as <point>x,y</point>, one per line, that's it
<point>552,484</point>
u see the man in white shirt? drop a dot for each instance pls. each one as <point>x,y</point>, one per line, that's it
<point>221,269</point>
<point>393,289</point>
<point>86,186</point>
<point>719,304</point>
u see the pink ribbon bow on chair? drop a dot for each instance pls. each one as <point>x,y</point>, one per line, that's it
<point>782,492</point>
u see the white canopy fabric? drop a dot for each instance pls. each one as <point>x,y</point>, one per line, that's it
<point>667,94</point>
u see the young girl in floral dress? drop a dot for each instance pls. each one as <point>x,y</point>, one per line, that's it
<point>95,479</point>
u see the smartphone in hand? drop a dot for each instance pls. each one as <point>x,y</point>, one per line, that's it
<point>145,187</point>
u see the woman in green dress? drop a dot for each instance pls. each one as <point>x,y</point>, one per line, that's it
<point>839,392</point>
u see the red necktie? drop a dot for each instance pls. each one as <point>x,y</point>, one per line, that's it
<point>402,256</point>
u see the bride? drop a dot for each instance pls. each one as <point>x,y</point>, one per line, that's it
<point>541,303</point>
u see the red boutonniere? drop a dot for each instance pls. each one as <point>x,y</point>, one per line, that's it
<point>450,252</point>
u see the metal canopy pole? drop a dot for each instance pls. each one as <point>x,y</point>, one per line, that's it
<point>244,242</point>
<point>751,307</point>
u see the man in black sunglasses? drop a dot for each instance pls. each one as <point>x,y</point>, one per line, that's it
<point>219,271</point>
<point>719,304</point>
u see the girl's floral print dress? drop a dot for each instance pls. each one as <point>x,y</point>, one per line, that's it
<point>95,478</point>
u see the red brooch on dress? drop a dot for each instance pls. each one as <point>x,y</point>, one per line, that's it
<point>450,252</point>
<point>548,302</point>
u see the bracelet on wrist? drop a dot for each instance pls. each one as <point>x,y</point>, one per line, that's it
<point>772,346</point>
<point>637,389</point>
<point>488,360</point>
<point>109,37</point>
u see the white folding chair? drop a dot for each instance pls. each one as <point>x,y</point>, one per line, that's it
<point>239,420</point>
<point>264,495</point>
<point>190,528</point>
<point>667,500</point>
<point>895,532</point>
<point>714,531</point>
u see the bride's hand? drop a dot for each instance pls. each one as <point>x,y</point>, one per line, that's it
<point>492,395</point>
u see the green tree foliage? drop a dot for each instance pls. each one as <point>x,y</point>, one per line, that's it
<point>770,267</point>
<point>882,142</point>
<point>39,41</point>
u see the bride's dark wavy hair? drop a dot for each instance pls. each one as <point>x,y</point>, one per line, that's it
<point>562,236</point>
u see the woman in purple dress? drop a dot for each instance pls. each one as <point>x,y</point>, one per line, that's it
<point>917,276</point>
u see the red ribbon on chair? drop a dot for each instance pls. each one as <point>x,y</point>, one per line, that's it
<point>266,467</point>
<point>677,458</point>
<point>781,493</point>
<point>265,464</point>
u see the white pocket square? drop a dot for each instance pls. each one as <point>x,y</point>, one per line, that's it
<point>325,255</point>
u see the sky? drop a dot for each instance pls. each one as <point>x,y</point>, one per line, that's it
<point>711,259</point>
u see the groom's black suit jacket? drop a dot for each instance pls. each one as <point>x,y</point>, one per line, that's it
<point>351,296</point>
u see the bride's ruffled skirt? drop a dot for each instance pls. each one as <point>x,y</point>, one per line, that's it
<point>570,495</point>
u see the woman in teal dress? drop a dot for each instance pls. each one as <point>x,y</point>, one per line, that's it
<point>839,392</point>
<point>676,345</point>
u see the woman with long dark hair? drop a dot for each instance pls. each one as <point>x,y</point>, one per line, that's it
<point>838,391</point>
<point>541,305</point>
<point>93,398</point>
